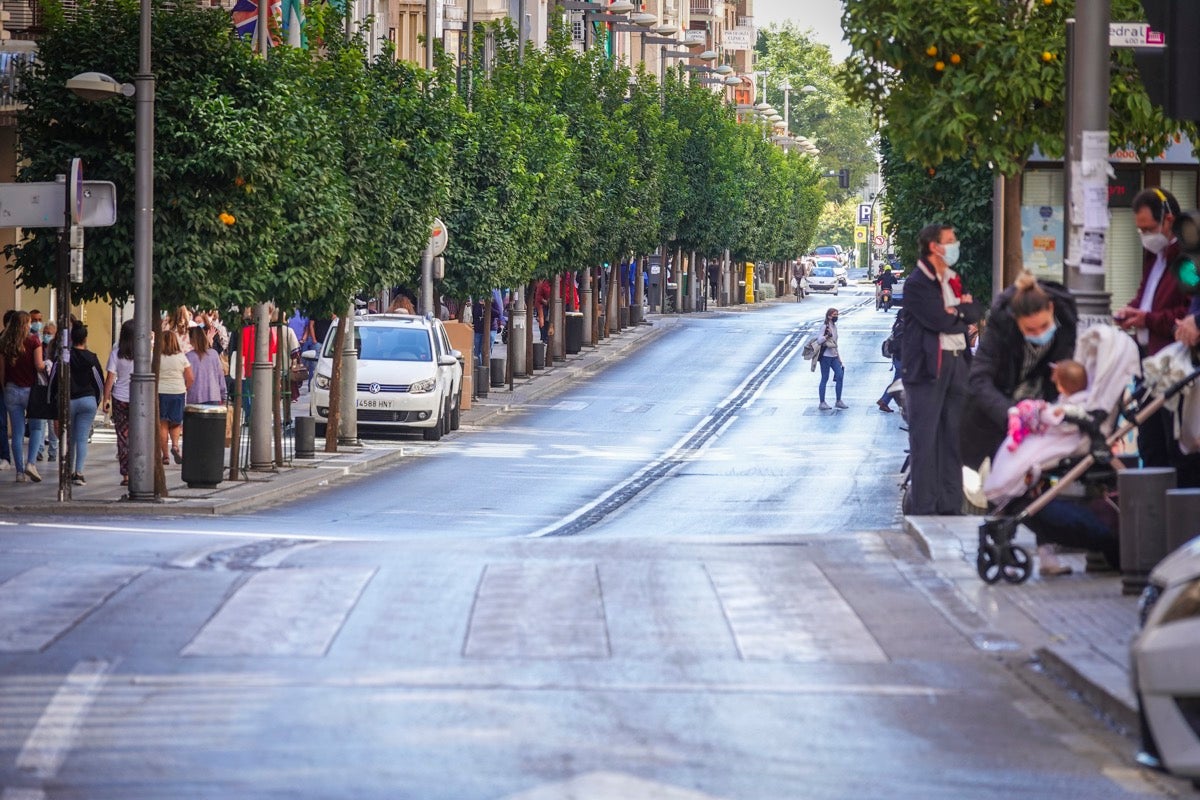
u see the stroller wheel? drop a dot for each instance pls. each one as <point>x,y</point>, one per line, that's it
<point>1017,566</point>
<point>987,563</point>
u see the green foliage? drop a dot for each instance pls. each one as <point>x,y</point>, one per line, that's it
<point>957,193</point>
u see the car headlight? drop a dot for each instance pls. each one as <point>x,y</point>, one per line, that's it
<point>1185,605</point>
<point>323,381</point>
<point>421,387</point>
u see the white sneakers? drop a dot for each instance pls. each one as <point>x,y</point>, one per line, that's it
<point>33,474</point>
<point>4,465</point>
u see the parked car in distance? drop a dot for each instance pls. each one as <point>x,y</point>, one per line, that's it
<point>409,377</point>
<point>838,269</point>
<point>1165,664</point>
<point>832,251</point>
<point>823,279</point>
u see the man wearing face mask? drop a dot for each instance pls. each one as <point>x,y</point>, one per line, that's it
<point>1160,303</point>
<point>934,363</point>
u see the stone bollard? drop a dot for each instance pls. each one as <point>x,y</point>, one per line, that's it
<point>1143,499</point>
<point>1183,517</point>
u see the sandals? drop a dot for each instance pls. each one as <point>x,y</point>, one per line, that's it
<point>177,455</point>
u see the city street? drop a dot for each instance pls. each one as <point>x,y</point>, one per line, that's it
<point>677,579</point>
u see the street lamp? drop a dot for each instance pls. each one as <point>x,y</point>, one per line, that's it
<point>142,392</point>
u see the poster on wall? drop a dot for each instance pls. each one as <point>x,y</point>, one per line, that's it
<point>1042,240</point>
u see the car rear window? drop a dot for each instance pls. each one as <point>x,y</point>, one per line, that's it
<point>827,263</point>
<point>826,251</point>
<point>383,343</point>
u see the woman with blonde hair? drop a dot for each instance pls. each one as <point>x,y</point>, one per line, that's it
<point>174,378</point>
<point>20,364</point>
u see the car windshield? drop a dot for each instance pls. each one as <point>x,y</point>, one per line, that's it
<point>824,262</point>
<point>385,343</point>
<point>823,272</point>
<point>826,251</point>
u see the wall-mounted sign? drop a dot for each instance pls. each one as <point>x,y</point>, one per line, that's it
<point>739,38</point>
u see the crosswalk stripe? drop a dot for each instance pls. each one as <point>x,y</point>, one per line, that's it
<point>43,603</point>
<point>57,729</point>
<point>799,616</point>
<point>285,612</point>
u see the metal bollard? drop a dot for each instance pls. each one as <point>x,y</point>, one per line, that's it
<point>1183,517</point>
<point>497,372</point>
<point>1143,494</point>
<point>306,437</point>
<point>539,355</point>
<point>481,380</point>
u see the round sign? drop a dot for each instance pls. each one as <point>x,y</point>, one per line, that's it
<point>75,191</point>
<point>439,237</point>
<point>880,241</point>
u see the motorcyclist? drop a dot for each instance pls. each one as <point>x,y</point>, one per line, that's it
<point>884,283</point>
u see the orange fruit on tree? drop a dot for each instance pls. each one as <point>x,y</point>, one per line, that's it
<point>939,66</point>
<point>1047,56</point>
<point>931,51</point>
<point>955,58</point>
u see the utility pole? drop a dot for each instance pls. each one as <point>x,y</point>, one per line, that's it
<point>1087,159</point>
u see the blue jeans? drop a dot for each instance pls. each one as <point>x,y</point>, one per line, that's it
<point>5,450</point>
<point>16,400</point>
<point>83,414</point>
<point>831,363</point>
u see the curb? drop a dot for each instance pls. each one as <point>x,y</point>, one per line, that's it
<point>1099,682</point>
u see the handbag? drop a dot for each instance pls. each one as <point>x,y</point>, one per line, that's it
<point>42,403</point>
<point>298,372</point>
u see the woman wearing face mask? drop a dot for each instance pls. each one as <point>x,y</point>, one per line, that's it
<point>1031,325</point>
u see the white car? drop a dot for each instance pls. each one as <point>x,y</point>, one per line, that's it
<point>1165,661</point>
<point>409,378</point>
<point>839,270</point>
<point>822,279</point>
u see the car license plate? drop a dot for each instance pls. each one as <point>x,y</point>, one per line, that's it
<point>374,402</point>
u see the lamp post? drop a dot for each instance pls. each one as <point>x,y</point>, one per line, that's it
<point>142,390</point>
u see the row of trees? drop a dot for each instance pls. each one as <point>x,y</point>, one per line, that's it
<point>311,175</point>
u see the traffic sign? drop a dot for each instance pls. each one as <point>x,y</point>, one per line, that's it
<point>43,205</point>
<point>439,237</point>
<point>75,187</point>
<point>879,241</point>
<point>1134,34</point>
<point>860,235</point>
<point>864,213</point>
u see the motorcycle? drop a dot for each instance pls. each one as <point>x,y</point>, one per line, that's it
<point>883,299</point>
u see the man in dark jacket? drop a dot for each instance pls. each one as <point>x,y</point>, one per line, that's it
<point>1001,372</point>
<point>934,365</point>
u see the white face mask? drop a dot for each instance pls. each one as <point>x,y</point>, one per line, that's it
<point>950,256</point>
<point>1154,242</point>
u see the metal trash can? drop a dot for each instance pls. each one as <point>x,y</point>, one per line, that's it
<point>574,340</point>
<point>203,446</point>
<point>306,437</point>
<point>539,355</point>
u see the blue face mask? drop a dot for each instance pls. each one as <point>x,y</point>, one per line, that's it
<point>1043,338</point>
<point>35,327</point>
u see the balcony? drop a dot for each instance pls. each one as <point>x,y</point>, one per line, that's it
<point>13,54</point>
<point>707,8</point>
<point>745,22</point>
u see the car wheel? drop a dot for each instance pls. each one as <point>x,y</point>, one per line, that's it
<point>456,415</point>
<point>434,433</point>
<point>446,420</point>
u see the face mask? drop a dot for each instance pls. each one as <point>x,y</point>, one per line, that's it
<point>47,338</point>
<point>1154,242</point>
<point>1043,338</point>
<point>35,327</point>
<point>951,256</point>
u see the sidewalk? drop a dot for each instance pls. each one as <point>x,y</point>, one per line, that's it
<point>103,493</point>
<point>1077,626</point>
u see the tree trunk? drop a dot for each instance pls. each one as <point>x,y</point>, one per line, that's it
<point>1013,258</point>
<point>335,383</point>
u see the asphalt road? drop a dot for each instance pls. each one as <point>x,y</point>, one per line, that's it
<point>676,580</point>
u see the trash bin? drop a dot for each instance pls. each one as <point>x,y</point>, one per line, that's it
<point>203,446</point>
<point>497,371</point>
<point>574,340</point>
<point>539,355</point>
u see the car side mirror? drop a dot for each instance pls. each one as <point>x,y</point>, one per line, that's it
<point>311,355</point>
<point>447,361</point>
<point>458,356</point>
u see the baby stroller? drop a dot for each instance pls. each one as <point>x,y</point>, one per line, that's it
<point>1079,447</point>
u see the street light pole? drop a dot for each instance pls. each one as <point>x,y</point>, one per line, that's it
<point>142,387</point>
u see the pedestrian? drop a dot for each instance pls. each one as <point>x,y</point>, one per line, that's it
<point>20,365</point>
<point>208,385</point>
<point>178,323</point>
<point>541,305</point>
<point>934,365</point>
<point>894,347</point>
<point>174,378</point>
<point>830,360</point>
<point>87,386</point>
<point>49,451</point>
<point>116,394</point>
<point>1154,316</point>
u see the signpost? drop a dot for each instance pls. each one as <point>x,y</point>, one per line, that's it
<point>44,205</point>
<point>1134,34</point>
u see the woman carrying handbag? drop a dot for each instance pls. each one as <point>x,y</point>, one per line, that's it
<point>830,360</point>
<point>21,365</point>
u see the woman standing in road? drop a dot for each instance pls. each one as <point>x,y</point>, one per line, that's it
<point>20,364</point>
<point>830,359</point>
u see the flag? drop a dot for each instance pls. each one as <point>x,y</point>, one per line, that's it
<point>245,16</point>
<point>294,27</point>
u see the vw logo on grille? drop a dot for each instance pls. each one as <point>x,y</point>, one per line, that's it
<point>374,388</point>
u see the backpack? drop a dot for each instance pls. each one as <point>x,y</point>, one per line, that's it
<point>891,345</point>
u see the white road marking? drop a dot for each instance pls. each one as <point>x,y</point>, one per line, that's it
<point>797,616</point>
<point>288,612</point>
<point>43,603</point>
<point>609,786</point>
<point>23,794</point>
<point>58,728</point>
<point>185,532</point>
<point>276,557</point>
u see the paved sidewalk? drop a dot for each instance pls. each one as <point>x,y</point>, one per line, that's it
<point>103,493</point>
<point>1078,626</point>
